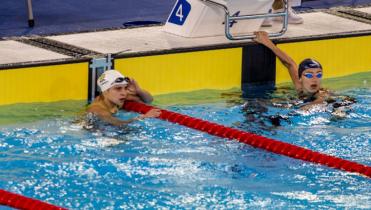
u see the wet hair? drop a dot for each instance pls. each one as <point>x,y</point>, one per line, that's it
<point>308,64</point>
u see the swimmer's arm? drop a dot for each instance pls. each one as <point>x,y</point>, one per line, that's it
<point>117,122</point>
<point>311,104</point>
<point>144,95</point>
<point>320,100</point>
<point>135,98</point>
<point>141,99</point>
<point>287,61</point>
<point>136,93</point>
<point>108,118</point>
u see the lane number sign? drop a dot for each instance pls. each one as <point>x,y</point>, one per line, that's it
<point>180,12</point>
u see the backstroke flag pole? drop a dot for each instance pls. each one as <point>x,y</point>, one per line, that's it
<point>31,21</point>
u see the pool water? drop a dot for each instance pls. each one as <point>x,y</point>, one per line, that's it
<point>157,164</point>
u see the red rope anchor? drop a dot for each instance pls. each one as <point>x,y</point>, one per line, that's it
<point>254,140</point>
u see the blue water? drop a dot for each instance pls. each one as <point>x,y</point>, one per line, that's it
<point>156,164</point>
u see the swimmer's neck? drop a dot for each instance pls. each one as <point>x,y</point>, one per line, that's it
<point>109,105</point>
<point>303,93</point>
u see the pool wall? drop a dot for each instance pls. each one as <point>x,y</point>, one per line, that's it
<point>44,83</point>
<point>189,71</point>
<point>222,68</point>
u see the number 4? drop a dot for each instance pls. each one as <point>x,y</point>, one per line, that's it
<point>179,12</point>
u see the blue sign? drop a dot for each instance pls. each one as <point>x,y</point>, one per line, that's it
<point>180,12</point>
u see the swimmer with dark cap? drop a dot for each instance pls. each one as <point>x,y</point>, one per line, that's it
<point>115,90</point>
<point>306,77</point>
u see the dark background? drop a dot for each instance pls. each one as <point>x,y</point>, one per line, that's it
<point>66,16</point>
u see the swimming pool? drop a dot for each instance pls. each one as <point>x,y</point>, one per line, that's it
<point>158,164</point>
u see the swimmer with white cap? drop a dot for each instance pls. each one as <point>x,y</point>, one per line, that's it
<point>115,90</point>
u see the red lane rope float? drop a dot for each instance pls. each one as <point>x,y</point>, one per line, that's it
<point>21,202</point>
<point>254,140</point>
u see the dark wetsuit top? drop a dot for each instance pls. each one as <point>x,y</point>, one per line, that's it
<point>335,101</point>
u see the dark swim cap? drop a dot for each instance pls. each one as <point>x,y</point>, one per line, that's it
<point>308,64</point>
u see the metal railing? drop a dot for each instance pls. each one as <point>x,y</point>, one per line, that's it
<point>229,19</point>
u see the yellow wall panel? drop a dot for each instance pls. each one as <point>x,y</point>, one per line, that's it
<point>339,57</point>
<point>179,72</point>
<point>160,74</point>
<point>44,83</point>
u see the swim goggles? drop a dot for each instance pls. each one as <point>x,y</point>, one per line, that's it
<point>121,79</point>
<point>310,75</point>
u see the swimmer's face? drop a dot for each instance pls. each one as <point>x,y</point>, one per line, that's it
<point>117,94</point>
<point>311,80</point>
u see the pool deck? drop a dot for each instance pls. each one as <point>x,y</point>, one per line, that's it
<point>153,40</point>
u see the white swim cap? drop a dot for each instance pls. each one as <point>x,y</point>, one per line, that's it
<point>111,78</point>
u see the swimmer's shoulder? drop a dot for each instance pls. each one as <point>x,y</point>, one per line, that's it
<point>97,107</point>
<point>94,108</point>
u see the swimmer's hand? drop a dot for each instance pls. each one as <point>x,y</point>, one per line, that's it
<point>262,38</point>
<point>133,86</point>
<point>136,93</point>
<point>151,113</point>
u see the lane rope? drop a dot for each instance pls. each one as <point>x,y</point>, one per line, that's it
<point>254,140</point>
<point>21,202</point>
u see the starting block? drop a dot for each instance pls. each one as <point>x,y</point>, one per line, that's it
<point>236,19</point>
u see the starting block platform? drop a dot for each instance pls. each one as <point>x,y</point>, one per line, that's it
<point>237,19</point>
<point>161,39</point>
<point>154,40</point>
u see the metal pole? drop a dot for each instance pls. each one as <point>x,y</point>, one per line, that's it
<point>31,21</point>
